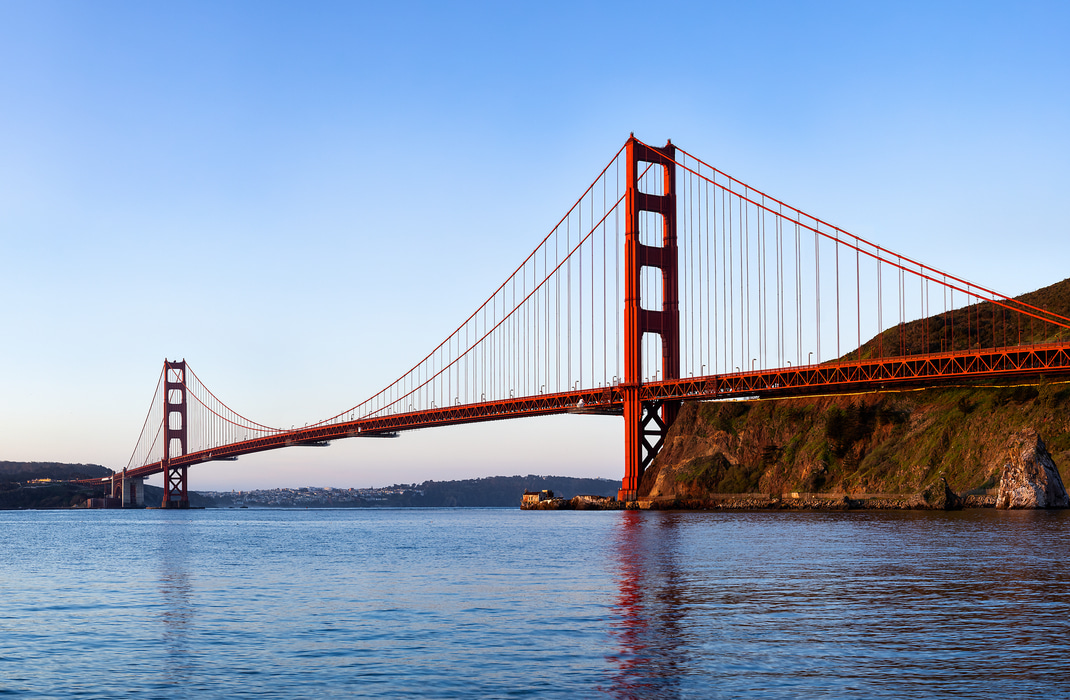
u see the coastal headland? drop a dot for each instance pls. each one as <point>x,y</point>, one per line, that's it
<point>976,444</point>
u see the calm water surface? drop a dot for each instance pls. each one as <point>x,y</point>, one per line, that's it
<point>502,603</point>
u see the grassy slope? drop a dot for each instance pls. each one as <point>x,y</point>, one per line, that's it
<point>978,325</point>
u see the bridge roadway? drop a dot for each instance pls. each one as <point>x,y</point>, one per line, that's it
<point>1022,363</point>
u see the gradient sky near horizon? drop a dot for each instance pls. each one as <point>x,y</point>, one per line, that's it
<point>301,199</point>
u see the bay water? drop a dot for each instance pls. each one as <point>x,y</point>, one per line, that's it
<point>503,603</point>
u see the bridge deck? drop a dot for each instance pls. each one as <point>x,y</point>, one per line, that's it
<point>1022,363</point>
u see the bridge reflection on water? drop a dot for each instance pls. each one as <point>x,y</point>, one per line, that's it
<point>881,604</point>
<point>450,603</point>
<point>177,610</point>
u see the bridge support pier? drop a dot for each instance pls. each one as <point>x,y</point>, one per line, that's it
<point>647,422</point>
<point>129,490</point>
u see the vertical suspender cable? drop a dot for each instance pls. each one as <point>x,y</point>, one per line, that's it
<point>711,299</point>
<point>744,280</point>
<point>858,298</point>
<point>817,288</point>
<point>836,246</point>
<point>731,286</point>
<point>798,296</point>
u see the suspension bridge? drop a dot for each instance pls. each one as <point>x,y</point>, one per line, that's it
<point>667,280</point>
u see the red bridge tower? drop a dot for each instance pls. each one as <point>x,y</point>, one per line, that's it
<point>174,431</point>
<point>647,422</point>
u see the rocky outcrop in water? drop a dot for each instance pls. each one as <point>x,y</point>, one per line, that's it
<point>939,496</point>
<point>1030,478</point>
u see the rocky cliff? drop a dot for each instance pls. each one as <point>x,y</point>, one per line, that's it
<point>898,443</point>
<point>1030,478</point>
<point>889,443</point>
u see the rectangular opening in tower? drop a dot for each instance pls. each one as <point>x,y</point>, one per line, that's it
<point>650,285</point>
<point>651,357</point>
<point>651,229</point>
<point>651,178</point>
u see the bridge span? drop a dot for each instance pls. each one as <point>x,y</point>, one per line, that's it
<point>666,281</point>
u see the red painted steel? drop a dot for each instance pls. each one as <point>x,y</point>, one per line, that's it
<point>175,494</point>
<point>495,353</point>
<point>638,321</point>
<point>1015,364</point>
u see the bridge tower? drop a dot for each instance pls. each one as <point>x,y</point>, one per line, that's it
<point>647,422</point>
<point>174,434</point>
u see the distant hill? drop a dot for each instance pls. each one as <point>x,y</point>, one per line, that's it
<point>493,491</point>
<point>16,493</point>
<point>488,492</point>
<point>14,496</point>
<point>27,471</point>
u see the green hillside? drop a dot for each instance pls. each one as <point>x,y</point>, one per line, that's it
<point>897,442</point>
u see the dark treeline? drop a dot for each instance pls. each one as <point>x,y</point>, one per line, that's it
<point>15,496</point>
<point>27,471</point>
<point>488,492</point>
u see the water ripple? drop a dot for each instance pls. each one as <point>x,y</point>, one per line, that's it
<point>501,604</point>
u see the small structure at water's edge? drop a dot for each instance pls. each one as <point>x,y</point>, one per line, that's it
<point>533,497</point>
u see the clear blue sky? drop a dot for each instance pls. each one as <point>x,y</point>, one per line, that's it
<point>301,199</point>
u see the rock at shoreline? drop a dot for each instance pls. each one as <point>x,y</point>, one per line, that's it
<point>1030,478</point>
<point>939,496</point>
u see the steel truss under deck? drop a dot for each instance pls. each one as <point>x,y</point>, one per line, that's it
<point>1031,363</point>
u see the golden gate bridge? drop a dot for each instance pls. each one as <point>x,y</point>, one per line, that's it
<point>667,280</point>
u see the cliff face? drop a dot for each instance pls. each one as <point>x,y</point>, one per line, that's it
<point>892,443</point>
